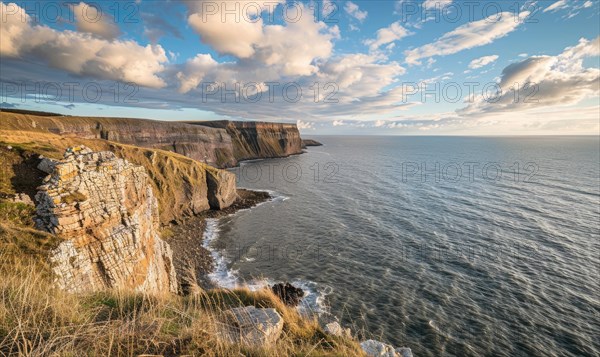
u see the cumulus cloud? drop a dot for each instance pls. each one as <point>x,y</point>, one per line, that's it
<point>91,20</point>
<point>279,51</point>
<point>482,61</point>
<point>80,53</point>
<point>294,47</point>
<point>233,33</point>
<point>544,81</point>
<point>386,35</point>
<point>470,35</point>
<point>353,10</point>
<point>291,50</point>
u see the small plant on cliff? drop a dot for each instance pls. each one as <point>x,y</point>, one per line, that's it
<point>73,197</point>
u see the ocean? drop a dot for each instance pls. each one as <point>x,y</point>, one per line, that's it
<point>452,246</point>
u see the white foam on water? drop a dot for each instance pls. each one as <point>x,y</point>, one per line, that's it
<point>222,276</point>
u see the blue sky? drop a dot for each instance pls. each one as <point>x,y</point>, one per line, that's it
<point>363,67</point>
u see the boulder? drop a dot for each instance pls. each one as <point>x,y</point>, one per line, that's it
<point>379,349</point>
<point>22,198</point>
<point>47,165</point>
<point>221,189</point>
<point>288,293</point>
<point>252,326</point>
<point>334,328</point>
<point>404,351</point>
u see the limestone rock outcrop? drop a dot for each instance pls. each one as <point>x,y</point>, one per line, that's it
<point>334,328</point>
<point>379,349</point>
<point>251,326</point>
<point>105,210</point>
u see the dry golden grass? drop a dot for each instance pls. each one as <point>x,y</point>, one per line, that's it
<point>37,319</point>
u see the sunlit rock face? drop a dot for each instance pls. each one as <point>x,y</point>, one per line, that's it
<point>106,211</point>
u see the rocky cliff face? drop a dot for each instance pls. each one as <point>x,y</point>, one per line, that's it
<point>218,143</point>
<point>260,140</point>
<point>105,209</point>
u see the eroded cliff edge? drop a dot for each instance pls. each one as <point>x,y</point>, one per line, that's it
<point>105,210</point>
<point>221,144</point>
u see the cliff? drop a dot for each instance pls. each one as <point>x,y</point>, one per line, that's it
<point>105,210</point>
<point>180,184</point>
<point>220,143</point>
<point>259,140</point>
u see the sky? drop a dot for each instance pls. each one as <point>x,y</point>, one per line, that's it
<point>404,67</point>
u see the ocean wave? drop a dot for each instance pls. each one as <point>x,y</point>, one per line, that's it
<point>314,301</point>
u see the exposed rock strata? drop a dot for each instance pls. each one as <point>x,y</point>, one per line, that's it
<point>260,140</point>
<point>105,209</point>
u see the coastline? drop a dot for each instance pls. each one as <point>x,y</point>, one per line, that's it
<point>192,260</point>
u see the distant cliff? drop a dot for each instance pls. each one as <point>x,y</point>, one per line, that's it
<point>259,140</point>
<point>219,143</point>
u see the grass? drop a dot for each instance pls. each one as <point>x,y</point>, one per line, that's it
<point>37,319</point>
<point>17,213</point>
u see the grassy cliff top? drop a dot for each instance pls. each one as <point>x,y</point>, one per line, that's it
<point>173,176</point>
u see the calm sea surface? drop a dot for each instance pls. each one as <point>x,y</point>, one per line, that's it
<point>453,246</point>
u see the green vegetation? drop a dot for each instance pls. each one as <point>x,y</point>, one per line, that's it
<point>73,197</point>
<point>17,213</point>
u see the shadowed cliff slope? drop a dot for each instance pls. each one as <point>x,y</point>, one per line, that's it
<point>259,140</point>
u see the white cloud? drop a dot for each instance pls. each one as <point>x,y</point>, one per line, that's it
<point>229,33</point>
<point>328,7</point>
<point>387,35</point>
<point>291,49</point>
<point>353,10</point>
<point>295,47</point>
<point>305,125</point>
<point>81,53</point>
<point>89,19</point>
<point>571,7</point>
<point>555,81</point>
<point>432,4</point>
<point>482,61</point>
<point>561,4</point>
<point>338,123</point>
<point>470,35</point>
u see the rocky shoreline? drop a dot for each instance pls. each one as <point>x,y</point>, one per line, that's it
<point>190,258</point>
